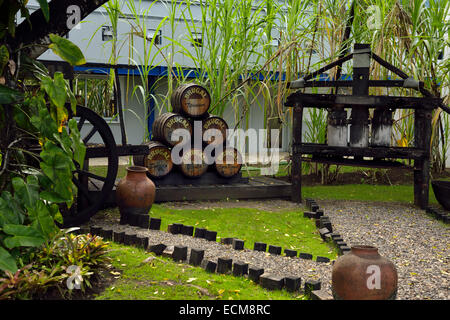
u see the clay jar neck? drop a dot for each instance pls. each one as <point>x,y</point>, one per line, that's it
<point>136,172</point>
<point>367,252</point>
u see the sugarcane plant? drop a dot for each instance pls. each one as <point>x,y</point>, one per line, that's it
<point>246,51</point>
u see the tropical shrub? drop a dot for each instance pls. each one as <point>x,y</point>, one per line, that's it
<point>62,262</point>
<point>34,110</point>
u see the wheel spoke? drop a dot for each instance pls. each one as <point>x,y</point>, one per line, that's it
<point>90,175</point>
<point>84,190</point>
<point>90,134</point>
<point>81,123</point>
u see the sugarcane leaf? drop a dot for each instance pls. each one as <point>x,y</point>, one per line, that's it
<point>45,10</point>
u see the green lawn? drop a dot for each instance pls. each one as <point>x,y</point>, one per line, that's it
<point>364,192</point>
<point>285,228</point>
<point>101,171</point>
<point>163,279</point>
<point>288,229</point>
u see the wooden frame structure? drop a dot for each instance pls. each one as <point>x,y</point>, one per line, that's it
<point>360,102</point>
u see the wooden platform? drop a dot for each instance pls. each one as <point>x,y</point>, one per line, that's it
<point>255,188</point>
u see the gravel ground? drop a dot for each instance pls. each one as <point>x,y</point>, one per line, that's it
<point>272,264</point>
<point>418,245</point>
<point>415,243</point>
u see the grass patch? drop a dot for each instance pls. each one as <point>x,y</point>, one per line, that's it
<point>284,169</point>
<point>163,279</point>
<point>102,170</point>
<point>288,229</point>
<point>365,192</point>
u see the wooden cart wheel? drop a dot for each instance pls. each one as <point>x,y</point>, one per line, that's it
<point>87,203</point>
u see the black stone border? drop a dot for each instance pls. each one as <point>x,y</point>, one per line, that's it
<point>438,213</point>
<point>256,274</point>
<point>195,257</point>
<point>325,229</point>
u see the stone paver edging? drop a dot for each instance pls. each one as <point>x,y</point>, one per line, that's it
<point>195,256</point>
<point>257,262</point>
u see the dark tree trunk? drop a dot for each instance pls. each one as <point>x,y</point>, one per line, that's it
<point>31,35</point>
<point>32,38</point>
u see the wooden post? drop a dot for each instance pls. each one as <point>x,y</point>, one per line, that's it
<point>359,130</point>
<point>296,172</point>
<point>422,138</point>
<point>118,98</point>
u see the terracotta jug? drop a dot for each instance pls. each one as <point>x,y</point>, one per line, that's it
<point>135,193</point>
<point>363,274</point>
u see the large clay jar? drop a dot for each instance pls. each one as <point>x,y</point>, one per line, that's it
<point>135,193</point>
<point>363,274</point>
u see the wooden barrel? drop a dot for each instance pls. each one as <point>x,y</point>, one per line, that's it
<point>165,124</point>
<point>215,122</point>
<point>191,100</point>
<point>193,164</point>
<point>228,163</point>
<point>158,161</point>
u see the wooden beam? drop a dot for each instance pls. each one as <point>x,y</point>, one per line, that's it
<point>372,152</point>
<point>381,164</point>
<point>100,152</point>
<point>349,83</point>
<point>348,101</point>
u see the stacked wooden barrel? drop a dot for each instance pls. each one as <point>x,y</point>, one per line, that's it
<point>190,102</point>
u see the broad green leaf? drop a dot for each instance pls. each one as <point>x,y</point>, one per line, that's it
<point>52,197</point>
<point>25,13</point>
<point>22,119</point>
<point>22,236</point>
<point>7,262</point>
<point>78,147</point>
<point>58,167</point>
<point>10,211</point>
<point>26,193</point>
<point>44,7</point>
<point>42,219</point>
<point>66,50</point>
<point>8,95</point>
<point>72,99</point>
<point>45,123</point>
<point>56,164</point>
<point>14,7</point>
<point>44,181</point>
<point>64,141</point>
<point>4,57</point>
<point>55,89</point>
<point>55,213</point>
<point>61,111</point>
